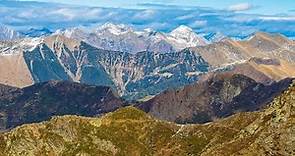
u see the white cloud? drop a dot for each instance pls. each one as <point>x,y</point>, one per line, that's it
<point>145,15</point>
<point>65,12</point>
<point>71,14</point>
<point>185,17</point>
<point>277,18</point>
<point>240,7</point>
<point>158,26</point>
<point>199,23</point>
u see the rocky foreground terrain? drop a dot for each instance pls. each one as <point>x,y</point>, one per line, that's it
<point>130,131</point>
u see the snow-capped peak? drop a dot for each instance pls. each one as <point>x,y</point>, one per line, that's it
<point>186,35</point>
<point>182,30</point>
<point>116,29</point>
<point>119,37</point>
<point>75,33</point>
<point>7,33</point>
<point>148,30</point>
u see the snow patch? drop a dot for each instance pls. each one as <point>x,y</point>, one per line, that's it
<point>190,74</point>
<point>167,75</point>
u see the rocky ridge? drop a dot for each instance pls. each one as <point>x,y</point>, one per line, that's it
<point>129,131</point>
<point>218,96</point>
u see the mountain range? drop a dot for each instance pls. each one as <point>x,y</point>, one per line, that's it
<point>221,96</point>
<point>60,58</point>
<point>114,90</point>
<point>123,38</point>
<point>130,131</point>
<point>270,57</point>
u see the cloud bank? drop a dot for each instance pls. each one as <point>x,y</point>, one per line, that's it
<point>240,7</point>
<point>24,15</point>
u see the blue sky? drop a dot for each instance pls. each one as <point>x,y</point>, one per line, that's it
<point>236,18</point>
<point>269,7</point>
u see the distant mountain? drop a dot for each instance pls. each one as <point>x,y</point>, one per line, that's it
<point>215,37</point>
<point>260,45</point>
<point>219,96</point>
<point>262,70</point>
<point>132,75</point>
<point>37,32</point>
<point>124,38</point>
<point>264,58</point>
<point>129,131</point>
<point>42,101</point>
<point>8,33</point>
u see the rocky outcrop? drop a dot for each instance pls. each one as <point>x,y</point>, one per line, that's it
<point>272,133</point>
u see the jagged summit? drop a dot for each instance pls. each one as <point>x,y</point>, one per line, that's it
<point>181,30</point>
<point>120,37</point>
<point>115,29</point>
<point>55,42</point>
<point>7,33</point>
<point>184,34</point>
<point>73,33</point>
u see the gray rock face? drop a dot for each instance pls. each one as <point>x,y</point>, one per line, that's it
<point>132,75</point>
<point>44,65</point>
<point>148,73</point>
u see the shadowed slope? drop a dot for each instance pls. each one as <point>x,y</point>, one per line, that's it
<point>221,95</point>
<point>42,101</point>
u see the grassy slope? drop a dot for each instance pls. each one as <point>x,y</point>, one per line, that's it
<point>129,131</point>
